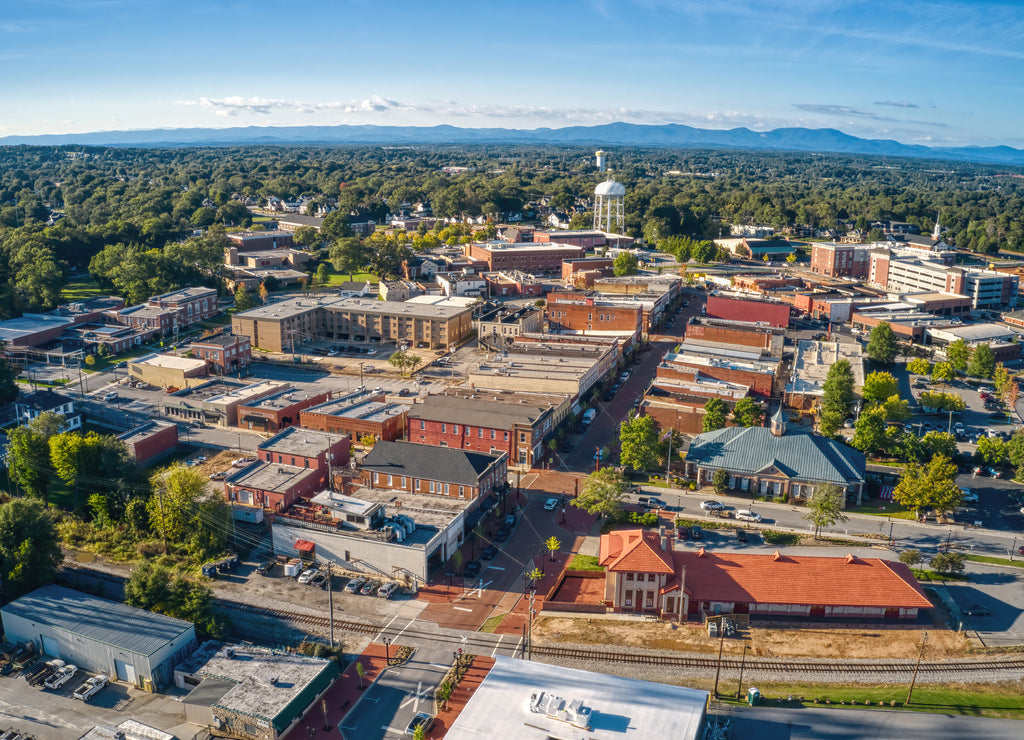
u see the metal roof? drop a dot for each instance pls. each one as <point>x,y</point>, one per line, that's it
<point>108,622</point>
<point>751,450</point>
<point>426,461</point>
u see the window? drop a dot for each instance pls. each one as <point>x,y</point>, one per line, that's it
<point>423,424</point>
<point>445,489</point>
<point>629,576</point>
<point>650,577</point>
<point>462,492</point>
<point>493,434</point>
<point>416,484</point>
<point>480,432</point>
<point>455,428</point>
<point>444,428</point>
<point>506,436</point>
<point>432,487</point>
<point>391,483</point>
<point>628,600</point>
<point>403,481</point>
<point>376,477</point>
<point>650,600</point>
<point>467,431</point>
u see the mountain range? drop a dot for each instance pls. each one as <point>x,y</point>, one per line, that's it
<point>613,134</point>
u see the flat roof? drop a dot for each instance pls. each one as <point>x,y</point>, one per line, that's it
<point>185,294</point>
<point>221,340</point>
<point>172,362</point>
<point>238,395</point>
<point>813,360</point>
<point>147,312</point>
<point>366,409</point>
<point>145,431</point>
<point>266,681</point>
<point>439,307</point>
<point>264,476</point>
<point>109,622</point>
<point>526,246</point>
<point>476,411</point>
<point>31,323</point>
<point>432,512</point>
<point>281,399</point>
<point>977,332</point>
<point>297,441</point>
<point>620,707</point>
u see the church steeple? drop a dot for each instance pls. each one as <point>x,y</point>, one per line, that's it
<point>778,422</point>
<point>937,231</point>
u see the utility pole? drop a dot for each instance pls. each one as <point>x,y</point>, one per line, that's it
<point>330,598</point>
<point>529,641</point>
<point>913,680</point>
<point>743,662</point>
<point>721,644</point>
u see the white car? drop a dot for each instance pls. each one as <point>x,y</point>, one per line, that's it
<point>90,688</point>
<point>220,475</point>
<point>307,575</point>
<point>625,376</point>
<point>712,505</point>
<point>243,461</point>
<point>551,504</point>
<point>746,515</point>
<point>387,590</point>
<point>61,677</point>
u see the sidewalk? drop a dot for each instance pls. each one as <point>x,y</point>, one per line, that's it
<point>475,675</point>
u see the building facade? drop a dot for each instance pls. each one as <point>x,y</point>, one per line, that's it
<point>224,354</point>
<point>422,469</point>
<point>525,256</point>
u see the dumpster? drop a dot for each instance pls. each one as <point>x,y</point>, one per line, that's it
<point>753,696</point>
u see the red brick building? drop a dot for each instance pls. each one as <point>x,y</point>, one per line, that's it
<point>192,305</point>
<point>585,311</point>
<point>571,268</point>
<point>735,309</point>
<point>151,442</point>
<point>524,256</point>
<point>841,260</point>
<point>764,340</point>
<point>251,241</point>
<point>690,367</point>
<point>224,354</point>
<point>482,425</point>
<point>357,415</point>
<point>414,468</point>
<point>277,411</point>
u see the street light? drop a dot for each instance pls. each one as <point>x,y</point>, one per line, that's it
<point>387,651</point>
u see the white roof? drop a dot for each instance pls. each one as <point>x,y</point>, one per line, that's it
<point>170,362</point>
<point>619,707</point>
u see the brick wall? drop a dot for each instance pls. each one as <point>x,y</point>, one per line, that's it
<point>726,335</point>
<point>388,430</point>
<point>594,318</point>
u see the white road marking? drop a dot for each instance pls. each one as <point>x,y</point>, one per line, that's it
<point>411,621</point>
<point>495,567</point>
<point>384,629</point>
<point>462,608</point>
<point>496,645</point>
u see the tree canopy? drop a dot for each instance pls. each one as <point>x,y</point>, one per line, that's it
<point>983,362</point>
<point>878,386</point>
<point>625,264</point>
<point>29,550</point>
<point>602,492</point>
<point>716,413</point>
<point>837,395</point>
<point>929,486</point>
<point>882,345</point>
<point>638,438</point>
<point>825,507</point>
<point>748,413</point>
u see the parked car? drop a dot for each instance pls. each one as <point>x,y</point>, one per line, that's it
<point>60,677</point>
<point>422,719</point>
<point>625,376</point>
<point>489,553</point>
<point>502,534</point>
<point>510,520</point>
<point>307,575</point>
<point>696,532</point>
<point>651,502</point>
<point>746,515</point>
<point>994,472</point>
<point>403,392</point>
<point>977,470</point>
<point>370,588</point>
<point>108,397</point>
<point>121,364</point>
<point>221,475</point>
<point>551,504</point>
<point>472,569</point>
<point>970,496</point>
<point>712,505</point>
<point>683,532</point>
<point>90,688</point>
<point>353,586</point>
<point>977,610</point>
<point>320,579</point>
<point>741,535</point>
<point>242,462</point>
<point>387,590</point>
<point>265,567</point>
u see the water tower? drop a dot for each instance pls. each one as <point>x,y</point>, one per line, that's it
<point>609,198</point>
<point>602,160</point>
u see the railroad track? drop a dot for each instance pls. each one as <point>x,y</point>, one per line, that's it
<point>475,641</point>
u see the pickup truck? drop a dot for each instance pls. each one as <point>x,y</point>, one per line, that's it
<point>90,688</point>
<point>61,677</point>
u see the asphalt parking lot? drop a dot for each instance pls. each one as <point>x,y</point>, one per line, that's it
<point>998,590</point>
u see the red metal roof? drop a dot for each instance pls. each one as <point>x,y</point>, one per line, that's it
<point>305,545</point>
<point>800,579</point>
<point>735,309</point>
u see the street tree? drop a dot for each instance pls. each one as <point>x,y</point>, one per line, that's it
<point>638,438</point>
<point>910,557</point>
<point>1002,379</point>
<point>720,480</point>
<point>948,562</point>
<point>1015,448</point>
<point>882,346</point>
<point>992,451</point>
<point>944,372</point>
<point>552,544</point>
<point>185,514</point>
<point>243,298</point>
<point>602,492</point>
<point>929,486</point>
<point>878,386</point>
<point>29,549</point>
<point>959,354</point>
<point>919,366</point>
<point>938,443</point>
<point>837,395</point>
<point>28,450</point>
<point>895,408</point>
<point>825,507</point>
<point>715,415</point>
<point>263,291</point>
<point>335,227</point>
<point>625,264</point>
<point>406,362</point>
<point>983,362</point>
<point>748,413</point>
<point>869,432</point>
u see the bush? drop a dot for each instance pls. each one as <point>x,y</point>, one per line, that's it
<point>910,557</point>
<point>948,562</point>
<point>720,480</point>
<point>774,537</point>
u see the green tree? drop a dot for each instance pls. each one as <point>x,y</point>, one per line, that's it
<point>826,507</point>
<point>882,345</point>
<point>869,432</point>
<point>837,395</point>
<point>910,557</point>
<point>28,450</point>
<point>29,550</point>
<point>406,362</point>
<point>323,277</point>
<point>1003,380</point>
<point>959,354</point>
<point>943,372</point>
<point>879,386</point>
<point>991,451</point>
<point>157,588</point>
<point>552,544</point>
<point>929,486</point>
<point>243,298</point>
<point>1015,448</point>
<point>948,562</point>
<point>306,236</point>
<point>895,408</point>
<point>625,264</point>
<point>639,443</point>
<point>748,413</point>
<point>983,362</point>
<point>602,492</point>
<point>184,513</point>
<point>716,414</point>
<point>919,366</point>
<point>720,480</point>
<point>335,227</point>
<point>349,256</point>
<point>938,443</point>
<point>8,380</point>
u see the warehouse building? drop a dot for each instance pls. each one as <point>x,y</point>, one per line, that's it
<point>132,645</point>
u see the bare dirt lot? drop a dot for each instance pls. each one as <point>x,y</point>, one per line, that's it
<point>767,642</point>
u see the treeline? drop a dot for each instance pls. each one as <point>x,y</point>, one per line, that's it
<point>146,199</point>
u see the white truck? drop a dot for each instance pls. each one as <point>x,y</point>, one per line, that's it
<point>90,688</point>
<point>61,676</point>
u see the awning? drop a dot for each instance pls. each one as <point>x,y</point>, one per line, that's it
<point>305,546</point>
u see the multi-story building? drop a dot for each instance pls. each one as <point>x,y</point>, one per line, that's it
<point>841,260</point>
<point>168,371</point>
<point>987,289</point>
<point>588,312</point>
<point>500,327</point>
<point>462,284</point>
<point>525,256</point>
<point>357,415</point>
<point>31,405</point>
<point>735,309</point>
<point>422,469</point>
<point>513,283</point>
<point>588,239</point>
<point>282,326</point>
<point>573,267</point>
<point>279,410</point>
<point>740,335</point>
<point>811,364</point>
<point>191,304</point>
<point>151,442</point>
<point>253,241</point>
<point>224,354</point>
<point>693,363</point>
<point>517,429</point>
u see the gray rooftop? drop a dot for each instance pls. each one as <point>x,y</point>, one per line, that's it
<point>185,294</point>
<point>280,400</point>
<point>802,457</point>
<point>296,441</point>
<point>264,476</point>
<point>14,329</point>
<point>476,412</point>
<point>814,359</point>
<point>426,461</point>
<point>358,409</point>
<point>360,304</point>
<point>109,622</point>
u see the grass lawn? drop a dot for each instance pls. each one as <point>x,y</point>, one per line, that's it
<point>105,363</point>
<point>995,561</point>
<point>492,623</point>
<point>982,700</point>
<point>80,289</point>
<point>931,575</point>
<point>337,279</point>
<point>887,508</point>
<point>583,562</point>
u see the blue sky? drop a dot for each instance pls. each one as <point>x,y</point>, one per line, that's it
<point>939,73</point>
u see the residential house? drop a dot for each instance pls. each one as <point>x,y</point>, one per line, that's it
<point>31,405</point>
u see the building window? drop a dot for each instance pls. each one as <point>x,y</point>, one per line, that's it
<point>650,577</point>
<point>390,483</point>
<point>480,432</point>
<point>629,576</point>
<point>455,428</point>
<point>432,487</point>
<point>493,434</point>
<point>445,489</point>
<point>467,431</point>
<point>444,428</point>
<point>403,481</point>
<point>506,436</point>
<point>423,424</point>
<point>628,599</point>
<point>416,484</point>
<point>376,478</point>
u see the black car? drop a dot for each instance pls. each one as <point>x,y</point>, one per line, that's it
<point>696,532</point>
<point>472,569</point>
<point>489,553</point>
<point>567,445</point>
<point>741,535</point>
<point>977,610</point>
<point>503,534</point>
